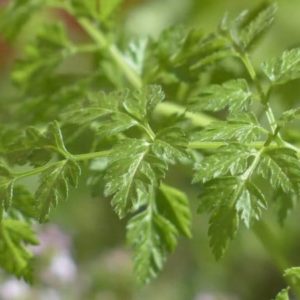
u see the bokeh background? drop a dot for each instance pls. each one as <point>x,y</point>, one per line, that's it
<point>84,255</point>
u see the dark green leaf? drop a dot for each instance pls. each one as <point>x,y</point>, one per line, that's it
<point>152,236</point>
<point>227,200</point>
<point>133,169</point>
<point>223,226</point>
<point>54,185</point>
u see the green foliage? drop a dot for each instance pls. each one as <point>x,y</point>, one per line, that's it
<point>120,112</point>
<point>293,274</point>
<point>293,277</point>
<point>153,232</point>
<point>281,167</point>
<point>174,205</point>
<point>50,42</point>
<point>234,95</point>
<point>231,159</point>
<point>250,25</point>
<point>284,68</point>
<point>283,295</point>
<point>243,201</point>
<point>243,128</point>
<point>14,257</point>
<point>99,10</point>
<point>14,17</point>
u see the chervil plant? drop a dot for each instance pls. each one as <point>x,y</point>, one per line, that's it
<point>146,104</point>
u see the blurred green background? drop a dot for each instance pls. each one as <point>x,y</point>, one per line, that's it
<point>84,256</point>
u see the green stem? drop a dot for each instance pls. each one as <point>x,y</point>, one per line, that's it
<point>197,119</point>
<point>92,155</point>
<point>77,157</point>
<point>84,48</point>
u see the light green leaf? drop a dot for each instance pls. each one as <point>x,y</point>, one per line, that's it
<point>56,137</point>
<point>293,275</point>
<point>284,68</point>
<point>250,204</point>
<point>282,169</point>
<point>288,116</point>
<point>107,8</point>
<point>231,160</point>
<point>234,95</point>
<point>242,128</point>
<point>206,51</point>
<point>14,257</point>
<point>104,113</point>
<point>170,145</point>
<point>251,25</point>
<point>174,206</point>
<point>283,295</point>
<point>118,111</point>
<point>142,102</point>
